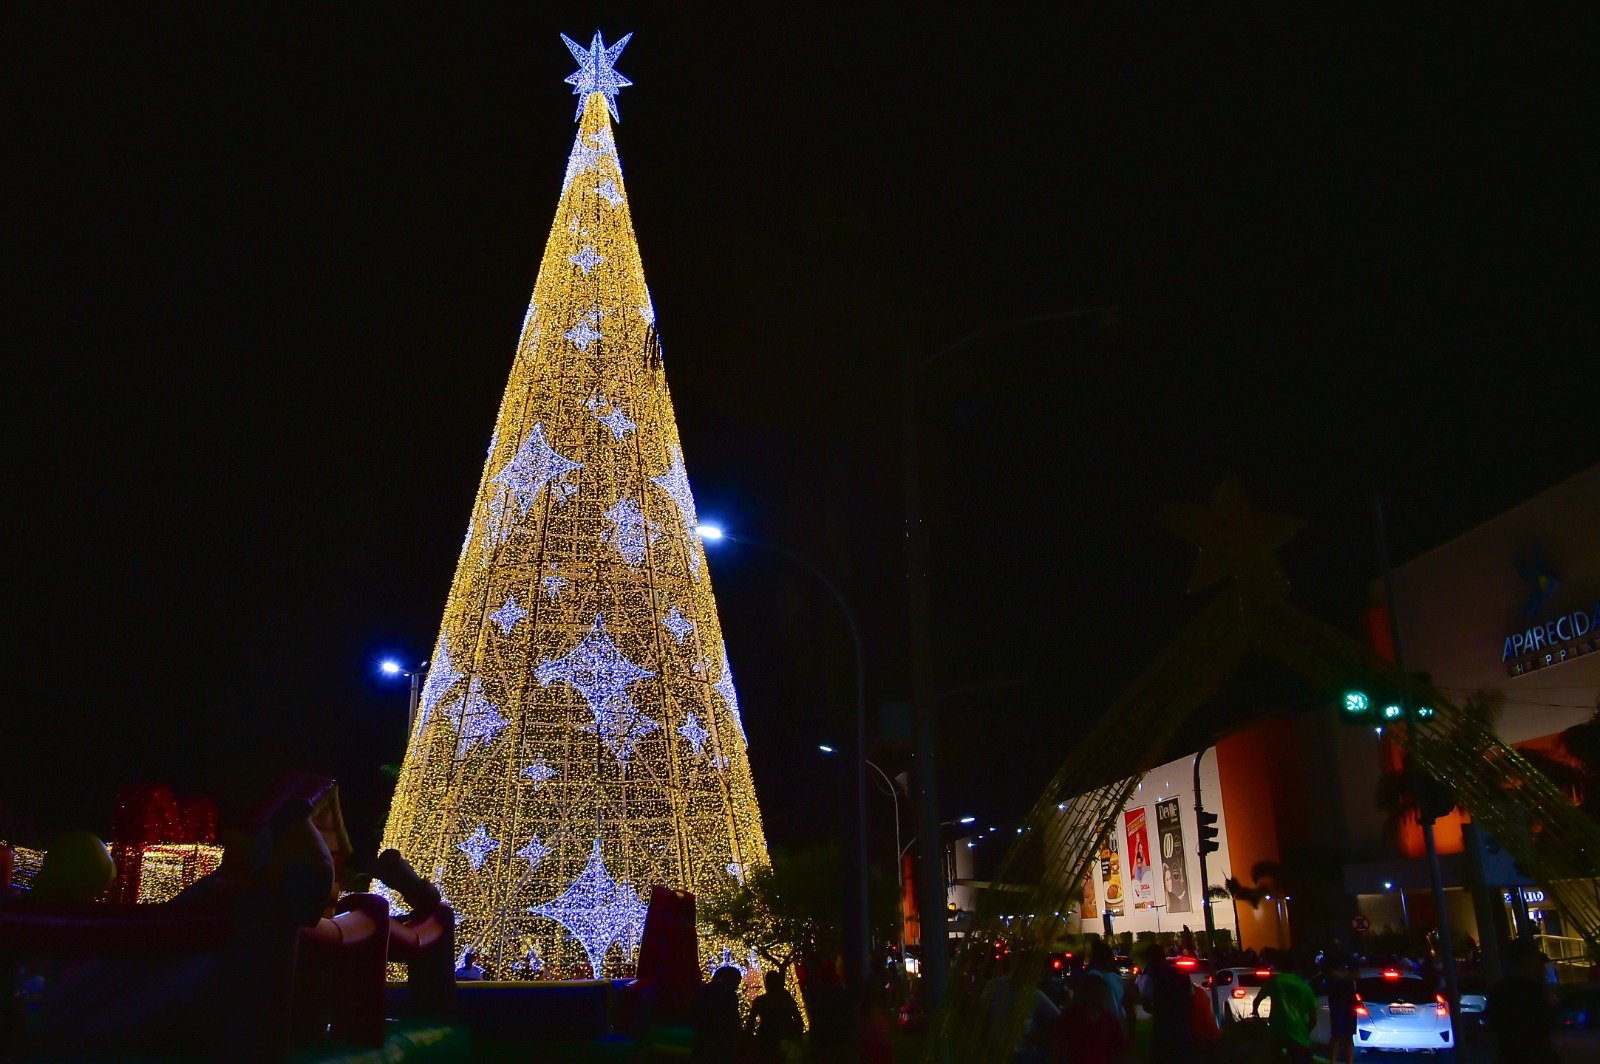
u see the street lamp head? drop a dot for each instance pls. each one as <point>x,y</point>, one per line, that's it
<point>1387,885</point>
<point>968,820</point>
<point>390,667</point>
<point>709,533</point>
<point>825,748</point>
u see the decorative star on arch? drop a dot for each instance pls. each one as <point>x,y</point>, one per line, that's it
<point>598,911</point>
<point>596,71</point>
<point>1233,540</point>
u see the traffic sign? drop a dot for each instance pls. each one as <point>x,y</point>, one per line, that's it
<point>1360,924</point>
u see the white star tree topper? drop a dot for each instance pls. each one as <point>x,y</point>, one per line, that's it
<point>597,71</point>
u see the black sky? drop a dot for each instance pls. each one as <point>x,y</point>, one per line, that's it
<point>267,271</point>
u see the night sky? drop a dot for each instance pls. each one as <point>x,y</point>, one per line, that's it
<point>267,273</point>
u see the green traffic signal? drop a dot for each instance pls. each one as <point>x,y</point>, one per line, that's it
<point>1424,712</point>
<point>1356,703</point>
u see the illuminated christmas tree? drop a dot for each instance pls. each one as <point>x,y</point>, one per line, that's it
<point>578,736</point>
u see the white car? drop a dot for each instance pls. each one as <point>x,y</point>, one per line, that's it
<point>1236,992</point>
<point>1394,1010</point>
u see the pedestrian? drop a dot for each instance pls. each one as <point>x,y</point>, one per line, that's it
<point>774,1025</point>
<point>1103,963</point>
<point>1089,1030</point>
<point>1521,1011</point>
<point>468,971</point>
<point>1001,1000</point>
<point>1342,974</point>
<point>1294,1014</point>
<point>714,1026</point>
<point>1169,998</point>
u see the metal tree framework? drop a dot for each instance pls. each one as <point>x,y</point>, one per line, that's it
<point>578,736</point>
<point>1248,617</point>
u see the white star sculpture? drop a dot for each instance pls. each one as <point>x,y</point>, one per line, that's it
<point>675,482</point>
<point>598,911</point>
<point>442,676</point>
<point>539,772</point>
<point>586,259</point>
<point>534,465</point>
<point>724,687</point>
<point>597,670</point>
<point>477,846</point>
<point>584,333</point>
<point>632,531</point>
<point>534,852</point>
<point>608,190</point>
<point>679,625</point>
<point>477,721</point>
<point>696,733</point>
<point>619,423</point>
<point>597,71</point>
<point>508,615</point>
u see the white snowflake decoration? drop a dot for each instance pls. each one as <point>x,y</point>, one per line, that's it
<point>442,676</point>
<point>598,911</point>
<point>534,465</point>
<point>585,332</point>
<point>508,615</point>
<point>534,852</point>
<point>675,482</point>
<point>724,687</point>
<point>477,720</point>
<point>539,772</point>
<point>597,71</point>
<point>586,259</point>
<point>477,846</point>
<point>554,582</point>
<point>695,733</point>
<point>679,625</point>
<point>632,532</point>
<point>597,670</point>
<point>607,189</point>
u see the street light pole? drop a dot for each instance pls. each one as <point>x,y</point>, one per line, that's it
<point>859,940</point>
<point>929,881</point>
<point>391,667</point>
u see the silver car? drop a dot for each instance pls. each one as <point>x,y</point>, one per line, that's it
<point>1394,1010</point>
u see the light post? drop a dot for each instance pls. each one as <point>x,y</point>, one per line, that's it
<point>391,667</point>
<point>934,933</point>
<point>860,922</point>
<point>1405,917</point>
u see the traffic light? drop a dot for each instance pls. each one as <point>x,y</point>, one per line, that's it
<point>1208,831</point>
<point>1357,707</point>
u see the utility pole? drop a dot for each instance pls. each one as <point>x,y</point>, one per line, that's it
<point>1436,877</point>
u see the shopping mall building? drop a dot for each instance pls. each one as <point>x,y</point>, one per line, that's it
<point>1511,606</point>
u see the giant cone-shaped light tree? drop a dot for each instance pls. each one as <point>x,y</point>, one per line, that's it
<point>578,736</point>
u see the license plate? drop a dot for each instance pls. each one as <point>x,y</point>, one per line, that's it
<point>1402,1010</point>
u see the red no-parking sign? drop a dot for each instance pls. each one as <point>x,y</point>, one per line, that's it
<point>1360,924</point>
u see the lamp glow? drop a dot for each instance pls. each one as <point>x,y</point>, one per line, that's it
<point>968,819</point>
<point>390,667</point>
<point>825,748</point>
<point>709,533</point>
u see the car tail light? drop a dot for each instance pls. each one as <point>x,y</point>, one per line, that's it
<point>1056,963</point>
<point>1391,973</point>
<point>1208,983</point>
<point>1263,973</point>
<point>1184,962</point>
<point>1238,991</point>
<point>1135,969</point>
<point>1361,1009</point>
<point>1442,1009</point>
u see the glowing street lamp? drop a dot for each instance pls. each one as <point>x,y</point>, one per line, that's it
<point>391,668</point>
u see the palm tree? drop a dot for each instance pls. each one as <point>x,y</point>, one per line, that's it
<point>1396,794</point>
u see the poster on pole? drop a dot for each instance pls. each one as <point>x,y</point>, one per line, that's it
<point>1141,877</point>
<point>1111,875</point>
<point>1174,868</point>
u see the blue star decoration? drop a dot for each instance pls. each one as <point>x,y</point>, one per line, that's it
<point>598,911</point>
<point>596,71</point>
<point>601,673</point>
<point>477,846</point>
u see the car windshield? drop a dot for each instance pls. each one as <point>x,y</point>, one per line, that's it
<point>1383,991</point>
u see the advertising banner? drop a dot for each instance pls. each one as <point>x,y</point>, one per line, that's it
<point>1111,875</point>
<point>1141,877</point>
<point>1174,869</point>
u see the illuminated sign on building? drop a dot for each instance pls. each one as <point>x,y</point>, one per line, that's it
<point>1568,636</point>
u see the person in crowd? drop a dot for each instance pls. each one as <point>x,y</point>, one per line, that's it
<point>714,1026</point>
<point>1089,1030</point>
<point>774,1025</point>
<point>1521,1012</point>
<point>999,1000</point>
<point>1294,1014</point>
<point>1168,996</point>
<point>468,970</point>
<point>1103,964</point>
<point>1342,972</point>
